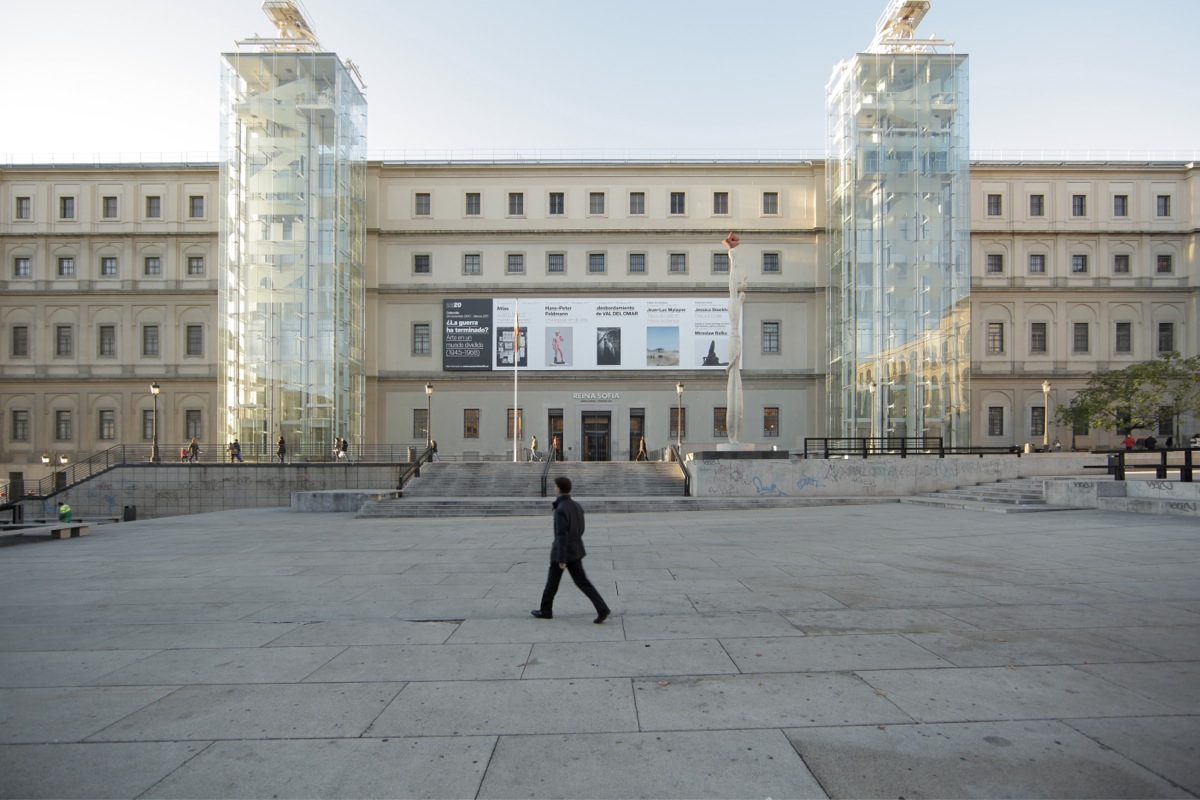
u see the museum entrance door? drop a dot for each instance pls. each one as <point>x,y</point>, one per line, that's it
<point>597,429</point>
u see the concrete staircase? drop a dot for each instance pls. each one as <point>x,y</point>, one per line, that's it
<point>1018,496</point>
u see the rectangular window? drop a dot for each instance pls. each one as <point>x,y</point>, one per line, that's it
<point>770,337</point>
<point>1124,343</point>
<point>66,208</point>
<point>596,263</point>
<point>24,208</point>
<point>1079,264</point>
<point>147,424</point>
<point>556,263</point>
<point>1037,205</point>
<point>420,429</point>
<point>66,267</point>
<point>193,422</point>
<point>637,204</point>
<point>150,340</point>
<point>196,206</point>
<point>720,263</point>
<point>108,340</point>
<point>1037,263</point>
<point>20,426</point>
<point>995,338</point>
<point>421,204</point>
<point>107,425</point>
<point>153,265</point>
<point>1037,337</point>
<point>20,341</point>
<point>516,264</point>
<point>1079,205</point>
<point>1120,205</point>
<point>1079,338</point>
<point>471,264</point>
<point>995,263</point>
<point>64,427</point>
<point>195,340</point>
<point>719,429</point>
<point>596,202</point>
<point>1080,427</point>
<point>195,266</point>
<point>637,262</point>
<point>1166,337</point>
<point>676,431</point>
<point>770,203</point>
<point>520,417</point>
<point>516,204</point>
<point>1166,426</point>
<point>473,204</point>
<point>108,207</point>
<point>771,422</point>
<point>22,267</point>
<point>1121,264</point>
<point>721,203</point>
<point>422,264</point>
<point>108,267</point>
<point>993,205</point>
<point>678,203</point>
<point>995,420</point>
<point>770,263</point>
<point>678,263</point>
<point>470,423</point>
<point>1163,264</point>
<point>558,204</point>
<point>153,207</point>
<point>1162,205</point>
<point>422,339</point>
<point>64,341</point>
<point>1037,421</point>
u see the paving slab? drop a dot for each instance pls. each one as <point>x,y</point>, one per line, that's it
<point>707,626</point>
<point>1178,643</point>
<point>1167,746</point>
<point>1027,648</point>
<point>226,665</point>
<point>983,759</point>
<point>63,667</point>
<point>69,714</point>
<point>649,765</point>
<point>1175,684</point>
<point>829,653</point>
<point>874,620</point>
<point>425,662</point>
<point>317,768</point>
<point>604,659</point>
<point>346,632</point>
<point>474,708</point>
<point>89,771</point>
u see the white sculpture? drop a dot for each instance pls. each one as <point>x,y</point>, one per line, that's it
<point>733,388</point>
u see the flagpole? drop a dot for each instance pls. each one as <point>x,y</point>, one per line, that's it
<point>516,363</point>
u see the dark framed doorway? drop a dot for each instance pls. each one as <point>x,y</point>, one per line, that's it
<point>554,424</point>
<point>637,429</point>
<point>597,434</point>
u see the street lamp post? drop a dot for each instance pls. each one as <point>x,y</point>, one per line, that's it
<point>428,415</point>
<point>154,457</point>
<point>679,420</point>
<point>59,460</point>
<point>872,387</point>
<point>1046,416</point>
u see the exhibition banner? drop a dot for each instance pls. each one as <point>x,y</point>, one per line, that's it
<point>587,334</point>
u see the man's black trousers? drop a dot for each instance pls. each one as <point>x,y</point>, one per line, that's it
<point>581,580</point>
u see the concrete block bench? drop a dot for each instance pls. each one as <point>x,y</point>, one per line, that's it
<point>57,530</point>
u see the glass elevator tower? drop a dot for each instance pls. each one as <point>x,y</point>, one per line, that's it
<point>897,178</point>
<point>292,241</point>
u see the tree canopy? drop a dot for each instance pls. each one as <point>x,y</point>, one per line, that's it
<point>1138,397</point>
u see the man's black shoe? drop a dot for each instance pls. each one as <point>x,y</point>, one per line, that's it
<point>541,614</point>
<point>603,616</point>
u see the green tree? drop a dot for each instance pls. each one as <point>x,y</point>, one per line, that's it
<point>1141,396</point>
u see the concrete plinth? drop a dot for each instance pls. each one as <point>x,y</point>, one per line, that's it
<point>348,500</point>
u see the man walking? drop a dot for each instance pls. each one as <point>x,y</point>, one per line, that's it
<point>567,554</point>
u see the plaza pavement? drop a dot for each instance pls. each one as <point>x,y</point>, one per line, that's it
<point>853,651</point>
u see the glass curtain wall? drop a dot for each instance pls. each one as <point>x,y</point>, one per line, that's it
<point>899,221</point>
<point>293,235</point>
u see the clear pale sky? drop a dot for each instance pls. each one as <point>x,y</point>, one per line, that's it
<point>142,76</point>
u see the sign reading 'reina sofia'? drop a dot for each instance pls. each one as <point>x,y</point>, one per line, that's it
<point>587,334</point>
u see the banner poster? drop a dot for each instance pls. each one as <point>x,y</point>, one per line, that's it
<point>588,334</point>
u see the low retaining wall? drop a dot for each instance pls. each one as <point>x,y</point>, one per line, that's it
<point>878,476</point>
<point>167,490</point>
<point>1149,497</point>
<point>338,500</point>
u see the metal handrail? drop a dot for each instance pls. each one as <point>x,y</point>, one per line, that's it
<point>546,471</point>
<point>687,476</point>
<point>865,446</point>
<point>1118,464</point>
<point>413,470</point>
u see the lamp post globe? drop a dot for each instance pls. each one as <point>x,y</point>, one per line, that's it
<point>1046,386</point>
<point>429,415</point>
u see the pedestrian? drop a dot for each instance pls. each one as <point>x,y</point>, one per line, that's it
<point>235,451</point>
<point>1150,443</point>
<point>65,513</point>
<point>533,451</point>
<point>194,450</point>
<point>281,450</point>
<point>434,455</point>
<point>1195,442</point>
<point>556,448</point>
<point>1128,442</point>
<point>567,554</point>
<point>641,453</point>
<point>183,453</point>
<point>1169,443</point>
<point>344,450</point>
